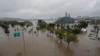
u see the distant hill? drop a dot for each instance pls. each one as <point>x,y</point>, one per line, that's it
<point>11,19</point>
<point>19,19</point>
<point>42,19</point>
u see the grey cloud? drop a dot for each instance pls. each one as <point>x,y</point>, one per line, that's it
<point>48,8</point>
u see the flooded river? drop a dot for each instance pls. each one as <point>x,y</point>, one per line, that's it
<point>42,45</point>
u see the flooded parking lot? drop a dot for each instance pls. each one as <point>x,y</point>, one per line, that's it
<point>42,45</point>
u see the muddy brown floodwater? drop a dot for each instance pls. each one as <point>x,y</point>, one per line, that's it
<point>42,45</point>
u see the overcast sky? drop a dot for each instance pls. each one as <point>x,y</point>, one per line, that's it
<point>48,8</point>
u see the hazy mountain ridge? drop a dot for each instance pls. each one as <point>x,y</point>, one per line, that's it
<point>10,19</point>
<point>19,19</point>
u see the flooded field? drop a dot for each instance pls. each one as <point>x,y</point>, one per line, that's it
<point>42,45</point>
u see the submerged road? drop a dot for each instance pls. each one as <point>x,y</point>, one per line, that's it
<point>42,45</point>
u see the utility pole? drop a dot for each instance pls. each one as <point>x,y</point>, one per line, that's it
<point>32,29</point>
<point>23,39</point>
<point>95,21</point>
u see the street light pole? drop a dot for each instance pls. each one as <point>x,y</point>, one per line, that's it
<point>32,29</point>
<point>23,40</point>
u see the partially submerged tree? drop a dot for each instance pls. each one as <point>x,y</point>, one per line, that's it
<point>70,37</point>
<point>41,24</point>
<point>60,34</point>
<point>58,26</point>
<point>95,27</point>
<point>76,31</point>
<point>6,28</point>
<point>5,25</point>
<point>68,27</point>
<point>37,28</point>
<point>82,24</point>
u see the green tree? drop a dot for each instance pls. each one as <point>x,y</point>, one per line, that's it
<point>72,26</point>
<point>82,24</point>
<point>5,28</point>
<point>70,37</point>
<point>50,27</point>
<point>68,27</point>
<point>5,24</point>
<point>22,24</point>
<point>41,24</point>
<point>37,28</point>
<point>95,27</point>
<point>58,26</point>
<point>60,34</point>
<point>76,31</point>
